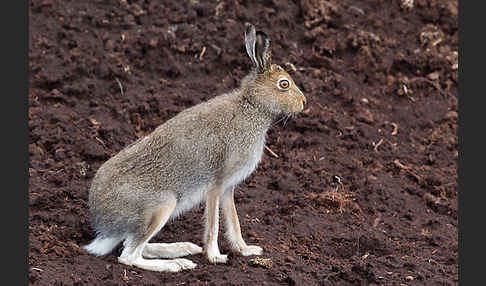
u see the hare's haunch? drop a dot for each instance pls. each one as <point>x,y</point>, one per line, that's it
<point>200,155</point>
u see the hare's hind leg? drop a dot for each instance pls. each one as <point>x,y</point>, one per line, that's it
<point>170,250</point>
<point>133,246</point>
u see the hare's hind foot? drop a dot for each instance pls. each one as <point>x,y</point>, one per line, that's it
<point>170,250</point>
<point>251,250</point>
<point>136,244</point>
<point>174,265</point>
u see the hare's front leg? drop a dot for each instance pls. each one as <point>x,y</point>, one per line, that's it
<point>212,227</point>
<point>233,231</point>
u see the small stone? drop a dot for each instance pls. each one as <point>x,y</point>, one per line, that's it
<point>153,43</point>
<point>406,4</point>
<point>366,116</point>
<point>451,115</point>
<point>433,76</point>
<point>390,80</point>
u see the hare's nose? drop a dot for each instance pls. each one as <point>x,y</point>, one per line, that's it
<point>302,97</point>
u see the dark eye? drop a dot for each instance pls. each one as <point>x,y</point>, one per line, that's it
<point>283,84</point>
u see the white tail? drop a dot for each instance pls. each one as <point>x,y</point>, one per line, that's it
<point>102,245</point>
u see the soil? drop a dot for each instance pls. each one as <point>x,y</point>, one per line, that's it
<point>364,190</point>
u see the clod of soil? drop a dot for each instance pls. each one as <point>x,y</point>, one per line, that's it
<point>262,262</point>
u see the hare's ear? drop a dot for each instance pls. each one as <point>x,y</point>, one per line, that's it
<point>263,54</point>
<point>258,48</point>
<point>250,39</point>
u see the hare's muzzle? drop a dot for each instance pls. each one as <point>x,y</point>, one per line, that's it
<point>302,100</point>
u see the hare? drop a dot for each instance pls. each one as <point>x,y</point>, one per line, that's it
<point>199,155</point>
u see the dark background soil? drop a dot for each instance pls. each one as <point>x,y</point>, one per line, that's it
<point>381,82</point>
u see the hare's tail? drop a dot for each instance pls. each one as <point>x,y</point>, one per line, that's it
<point>102,245</point>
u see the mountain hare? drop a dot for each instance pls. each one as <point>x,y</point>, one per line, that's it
<point>199,155</point>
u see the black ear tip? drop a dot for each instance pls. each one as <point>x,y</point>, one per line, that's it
<point>262,35</point>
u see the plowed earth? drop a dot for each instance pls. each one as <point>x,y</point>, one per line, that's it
<point>381,82</point>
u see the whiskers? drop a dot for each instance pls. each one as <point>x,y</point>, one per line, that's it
<point>287,119</point>
<point>284,118</point>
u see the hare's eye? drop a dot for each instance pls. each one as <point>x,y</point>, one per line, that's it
<point>283,84</point>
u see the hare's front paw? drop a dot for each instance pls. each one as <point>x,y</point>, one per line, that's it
<point>218,258</point>
<point>251,250</point>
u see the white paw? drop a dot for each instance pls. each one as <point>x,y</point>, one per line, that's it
<point>174,265</point>
<point>191,248</point>
<point>251,250</point>
<point>219,258</point>
<point>125,261</point>
<point>184,264</point>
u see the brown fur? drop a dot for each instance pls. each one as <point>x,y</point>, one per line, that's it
<point>199,155</point>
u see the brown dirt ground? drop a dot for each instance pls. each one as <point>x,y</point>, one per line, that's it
<point>381,81</point>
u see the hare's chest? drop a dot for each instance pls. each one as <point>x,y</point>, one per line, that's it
<point>241,164</point>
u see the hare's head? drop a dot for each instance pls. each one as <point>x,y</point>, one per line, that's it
<point>269,85</point>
